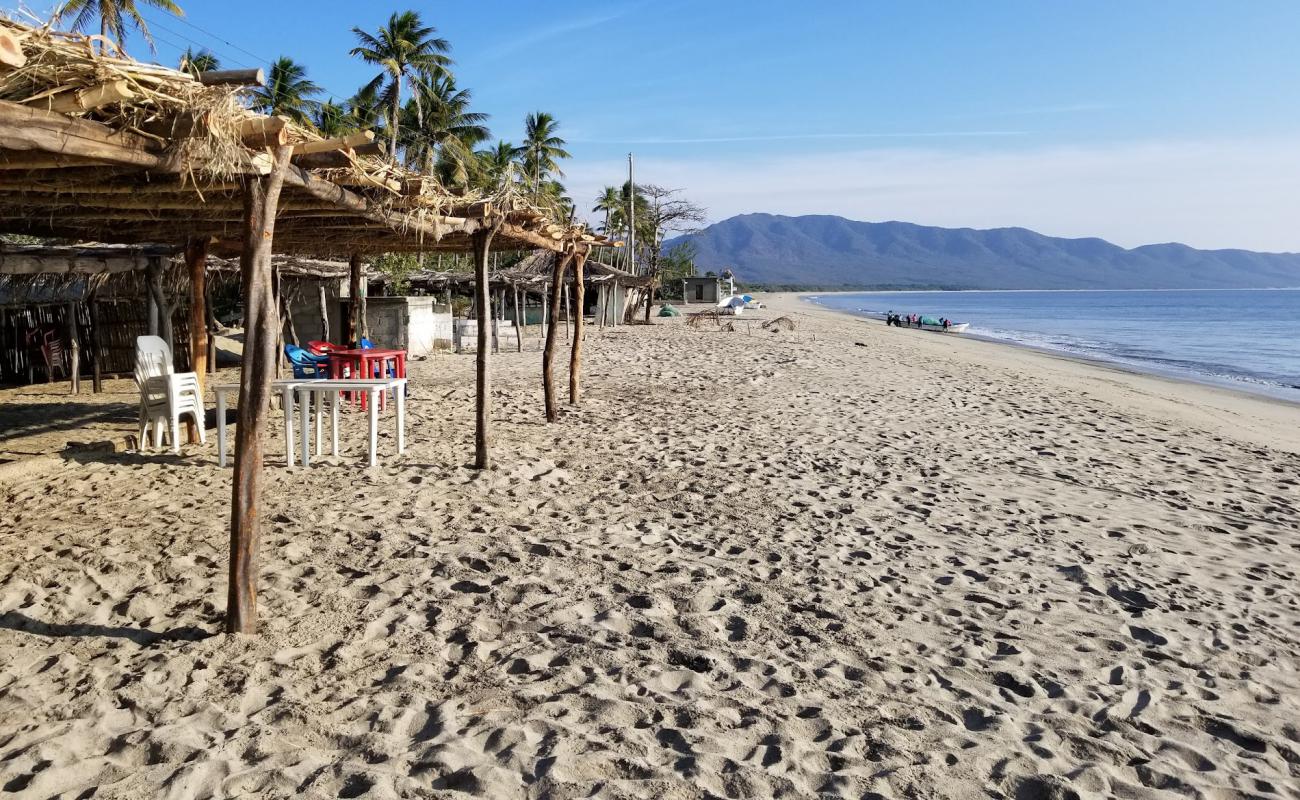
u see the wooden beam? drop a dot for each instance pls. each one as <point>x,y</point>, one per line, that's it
<point>575,356</point>
<point>233,77</point>
<point>90,98</point>
<point>184,125</point>
<point>34,159</point>
<point>338,143</point>
<point>11,49</point>
<point>552,326</point>
<point>23,128</point>
<point>263,195</point>
<point>264,131</point>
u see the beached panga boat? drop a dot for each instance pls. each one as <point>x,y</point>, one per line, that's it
<point>953,327</point>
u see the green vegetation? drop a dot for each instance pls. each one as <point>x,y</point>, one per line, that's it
<point>114,17</point>
<point>288,92</point>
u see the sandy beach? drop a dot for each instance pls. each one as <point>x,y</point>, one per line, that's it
<point>846,560</point>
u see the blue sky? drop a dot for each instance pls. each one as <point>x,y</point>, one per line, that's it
<point>1137,121</point>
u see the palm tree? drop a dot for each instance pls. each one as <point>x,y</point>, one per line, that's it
<point>611,202</point>
<point>202,61</point>
<point>113,16</point>
<point>408,52</point>
<point>363,108</point>
<point>446,132</point>
<point>287,92</point>
<point>495,166</point>
<point>541,149</point>
<point>332,120</point>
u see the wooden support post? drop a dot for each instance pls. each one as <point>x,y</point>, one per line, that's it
<point>261,198</point>
<point>495,308</point>
<point>575,356</point>
<point>356,303</point>
<point>519,325</point>
<point>161,325</point>
<point>324,312</point>
<point>546,308</point>
<point>482,240</point>
<point>568,330</point>
<point>74,349</point>
<point>552,328</point>
<point>196,262</point>
<point>96,345</point>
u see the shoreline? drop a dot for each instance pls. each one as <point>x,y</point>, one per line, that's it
<point>1224,384</point>
<point>1263,419</point>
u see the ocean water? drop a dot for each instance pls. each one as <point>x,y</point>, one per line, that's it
<point>1247,340</point>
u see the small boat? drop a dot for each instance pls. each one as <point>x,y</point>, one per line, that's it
<point>932,324</point>
<point>953,327</point>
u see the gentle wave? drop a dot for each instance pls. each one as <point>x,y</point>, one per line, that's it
<point>1235,339</point>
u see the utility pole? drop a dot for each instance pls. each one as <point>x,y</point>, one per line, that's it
<point>631,217</point>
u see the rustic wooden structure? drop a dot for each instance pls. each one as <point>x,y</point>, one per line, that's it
<point>97,148</point>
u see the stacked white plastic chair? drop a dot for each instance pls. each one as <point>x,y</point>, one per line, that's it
<point>165,396</point>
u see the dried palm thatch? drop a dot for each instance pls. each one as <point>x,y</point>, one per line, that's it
<point>700,318</point>
<point>779,324</point>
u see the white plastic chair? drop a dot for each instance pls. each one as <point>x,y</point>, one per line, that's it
<point>165,395</point>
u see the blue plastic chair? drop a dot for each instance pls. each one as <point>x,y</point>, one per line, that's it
<point>366,344</point>
<point>305,365</point>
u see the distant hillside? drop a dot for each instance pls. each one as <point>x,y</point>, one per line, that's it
<point>828,251</point>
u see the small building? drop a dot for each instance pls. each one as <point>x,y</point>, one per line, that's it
<point>707,289</point>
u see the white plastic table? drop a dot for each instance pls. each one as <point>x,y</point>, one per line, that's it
<point>319,390</point>
<point>284,387</point>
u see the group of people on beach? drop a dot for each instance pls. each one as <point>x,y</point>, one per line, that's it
<point>911,320</point>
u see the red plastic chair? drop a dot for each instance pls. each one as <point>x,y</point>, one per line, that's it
<point>319,348</point>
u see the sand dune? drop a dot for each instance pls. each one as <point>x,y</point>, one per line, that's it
<point>751,565</point>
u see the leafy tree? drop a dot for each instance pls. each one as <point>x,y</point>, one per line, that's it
<point>114,16</point>
<point>202,61</point>
<point>675,264</point>
<point>407,52</point>
<point>664,213</point>
<point>542,150</point>
<point>399,267</point>
<point>287,92</point>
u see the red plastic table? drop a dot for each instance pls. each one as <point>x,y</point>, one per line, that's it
<point>365,364</point>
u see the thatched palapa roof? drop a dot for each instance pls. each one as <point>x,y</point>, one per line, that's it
<point>104,148</point>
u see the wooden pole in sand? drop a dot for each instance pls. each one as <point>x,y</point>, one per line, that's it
<point>355,307</point>
<point>519,325</point>
<point>261,198</point>
<point>196,262</point>
<point>482,242</point>
<point>552,326</point>
<point>575,356</point>
<point>74,349</point>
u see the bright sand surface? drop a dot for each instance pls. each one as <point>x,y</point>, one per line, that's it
<point>752,564</point>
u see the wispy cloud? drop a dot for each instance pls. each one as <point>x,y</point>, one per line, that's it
<point>789,137</point>
<point>1230,193</point>
<point>537,36</point>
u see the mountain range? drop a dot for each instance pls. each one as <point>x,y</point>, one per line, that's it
<point>827,251</point>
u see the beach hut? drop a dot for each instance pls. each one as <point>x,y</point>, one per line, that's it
<point>707,289</point>
<point>101,148</point>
